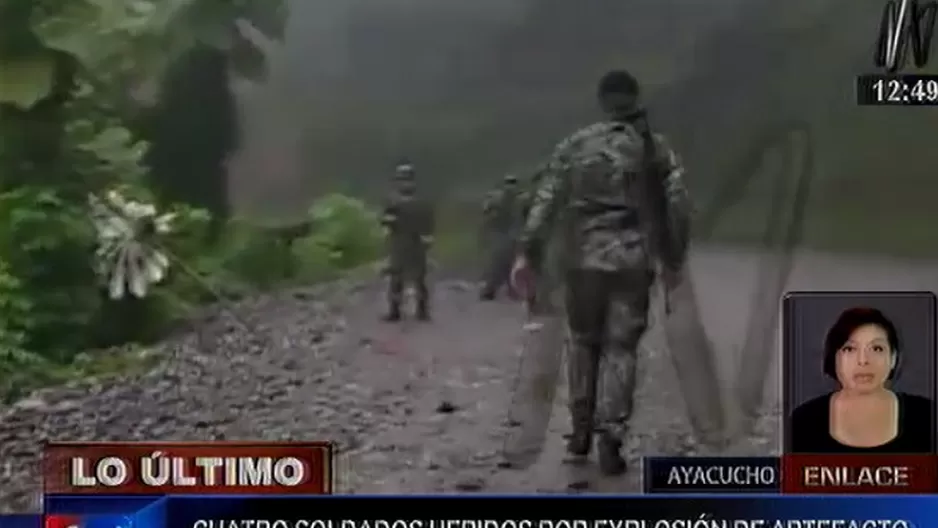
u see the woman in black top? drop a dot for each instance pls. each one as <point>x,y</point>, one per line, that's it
<point>861,352</point>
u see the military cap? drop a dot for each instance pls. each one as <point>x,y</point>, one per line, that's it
<point>618,82</point>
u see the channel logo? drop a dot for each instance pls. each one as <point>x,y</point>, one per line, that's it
<point>62,521</point>
<point>93,521</point>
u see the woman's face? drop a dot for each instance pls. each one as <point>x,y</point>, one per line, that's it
<point>865,360</point>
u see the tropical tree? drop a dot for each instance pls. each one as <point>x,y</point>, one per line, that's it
<point>75,75</point>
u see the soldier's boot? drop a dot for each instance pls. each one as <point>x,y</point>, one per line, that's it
<point>423,310</point>
<point>609,451</point>
<point>580,442</point>
<point>581,375</point>
<point>395,298</point>
<point>423,299</point>
<point>393,314</point>
<point>487,293</point>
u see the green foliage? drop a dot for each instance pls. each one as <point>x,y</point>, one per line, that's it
<point>347,229</point>
<point>254,256</point>
<point>147,318</point>
<point>67,141</point>
<point>344,233</point>
<point>102,149</point>
<point>314,261</point>
<point>118,43</point>
<point>16,322</point>
<point>15,315</point>
<point>45,330</point>
<point>26,80</point>
<point>47,243</point>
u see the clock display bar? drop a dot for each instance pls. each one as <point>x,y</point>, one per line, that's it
<point>897,90</point>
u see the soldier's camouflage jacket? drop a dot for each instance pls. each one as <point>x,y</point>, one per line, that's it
<point>504,210</point>
<point>409,221</point>
<point>582,195</point>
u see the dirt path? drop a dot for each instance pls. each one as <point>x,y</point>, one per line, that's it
<point>417,407</point>
<point>470,351</point>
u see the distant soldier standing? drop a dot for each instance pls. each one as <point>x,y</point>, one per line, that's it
<point>409,222</point>
<point>502,214</point>
<point>589,193</point>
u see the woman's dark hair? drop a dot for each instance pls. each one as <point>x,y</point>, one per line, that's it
<point>850,320</point>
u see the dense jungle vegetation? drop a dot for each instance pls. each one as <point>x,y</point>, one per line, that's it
<point>103,195</point>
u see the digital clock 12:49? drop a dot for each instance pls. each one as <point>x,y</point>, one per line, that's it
<point>897,90</point>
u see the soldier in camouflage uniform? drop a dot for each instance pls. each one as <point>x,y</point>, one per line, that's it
<point>409,223</point>
<point>602,254</point>
<point>502,212</point>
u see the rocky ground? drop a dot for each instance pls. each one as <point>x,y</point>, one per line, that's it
<point>414,408</point>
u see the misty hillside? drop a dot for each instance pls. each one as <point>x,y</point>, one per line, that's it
<point>470,92</point>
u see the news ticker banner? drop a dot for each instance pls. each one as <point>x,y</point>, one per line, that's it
<point>790,511</point>
<point>240,468</point>
<point>795,474</point>
<point>180,468</point>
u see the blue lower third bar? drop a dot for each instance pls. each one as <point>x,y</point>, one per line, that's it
<point>712,475</point>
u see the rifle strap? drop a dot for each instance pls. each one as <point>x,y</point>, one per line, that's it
<point>653,243</point>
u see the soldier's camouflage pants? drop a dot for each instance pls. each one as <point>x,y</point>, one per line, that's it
<point>403,276</point>
<point>499,256</point>
<point>607,315</point>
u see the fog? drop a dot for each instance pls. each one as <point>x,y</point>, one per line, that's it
<point>469,90</point>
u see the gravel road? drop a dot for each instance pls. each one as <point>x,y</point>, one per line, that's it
<point>414,408</point>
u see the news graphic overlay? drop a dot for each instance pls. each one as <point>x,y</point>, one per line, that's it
<point>216,468</point>
<point>711,475</point>
<point>546,511</point>
<point>61,521</point>
<point>859,396</point>
<point>89,521</point>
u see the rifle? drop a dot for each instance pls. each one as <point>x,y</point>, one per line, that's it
<point>667,242</point>
<point>539,364</point>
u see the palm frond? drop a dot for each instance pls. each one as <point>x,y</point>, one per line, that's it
<point>128,257</point>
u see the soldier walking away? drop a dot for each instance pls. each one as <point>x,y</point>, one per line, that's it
<point>502,214</point>
<point>589,194</point>
<point>409,223</point>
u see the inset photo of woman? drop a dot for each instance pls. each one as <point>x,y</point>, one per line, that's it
<point>860,372</point>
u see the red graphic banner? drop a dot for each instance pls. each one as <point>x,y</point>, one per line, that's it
<point>851,474</point>
<point>187,468</point>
